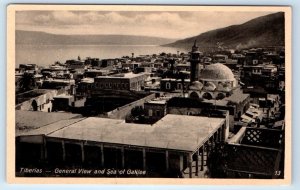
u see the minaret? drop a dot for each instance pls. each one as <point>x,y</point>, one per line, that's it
<point>195,61</point>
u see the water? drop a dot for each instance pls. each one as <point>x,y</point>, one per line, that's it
<point>45,55</point>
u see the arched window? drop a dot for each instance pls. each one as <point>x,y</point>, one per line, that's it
<point>168,85</point>
<point>194,95</point>
<point>207,96</point>
<point>220,96</point>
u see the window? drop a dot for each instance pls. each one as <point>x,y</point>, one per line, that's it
<point>249,115</point>
<point>179,86</point>
<point>168,85</point>
<point>207,96</point>
<point>150,112</point>
<point>157,113</point>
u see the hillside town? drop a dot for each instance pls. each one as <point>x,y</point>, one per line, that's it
<point>194,114</point>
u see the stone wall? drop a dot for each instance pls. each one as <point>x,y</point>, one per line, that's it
<point>121,112</point>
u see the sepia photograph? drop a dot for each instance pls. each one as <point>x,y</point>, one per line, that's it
<point>149,92</point>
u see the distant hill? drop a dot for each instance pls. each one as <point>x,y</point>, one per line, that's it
<point>262,31</point>
<point>33,37</point>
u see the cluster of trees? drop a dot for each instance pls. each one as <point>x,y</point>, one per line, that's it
<point>136,115</point>
<point>26,82</point>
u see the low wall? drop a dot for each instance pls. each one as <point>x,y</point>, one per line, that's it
<point>121,112</point>
<point>43,100</point>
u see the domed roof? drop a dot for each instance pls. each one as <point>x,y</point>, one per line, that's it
<point>217,72</point>
<point>209,86</point>
<point>196,85</point>
<point>222,86</point>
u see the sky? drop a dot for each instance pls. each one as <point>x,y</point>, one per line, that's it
<point>170,24</point>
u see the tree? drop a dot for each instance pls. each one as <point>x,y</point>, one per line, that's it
<point>27,82</point>
<point>137,111</point>
<point>163,54</point>
<point>137,115</point>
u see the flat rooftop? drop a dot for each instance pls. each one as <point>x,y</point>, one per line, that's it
<point>63,96</point>
<point>123,75</point>
<point>87,80</point>
<point>237,96</point>
<point>157,101</point>
<point>178,132</point>
<point>217,102</point>
<point>31,120</point>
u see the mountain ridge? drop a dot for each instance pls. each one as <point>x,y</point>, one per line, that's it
<point>262,31</point>
<point>44,38</point>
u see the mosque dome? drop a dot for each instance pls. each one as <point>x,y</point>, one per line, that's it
<point>217,72</point>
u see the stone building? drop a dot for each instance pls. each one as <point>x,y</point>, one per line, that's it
<point>36,100</point>
<point>167,148</point>
<point>155,109</point>
<point>123,81</point>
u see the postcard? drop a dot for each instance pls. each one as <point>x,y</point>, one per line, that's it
<point>144,94</point>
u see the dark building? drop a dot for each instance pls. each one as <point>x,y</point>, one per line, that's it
<point>75,64</point>
<point>123,81</point>
<point>84,87</point>
<point>28,67</point>
<point>107,62</point>
<point>94,62</point>
<point>93,73</point>
<point>62,103</point>
<point>155,109</point>
<point>60,84</point>
<point>262,75</point>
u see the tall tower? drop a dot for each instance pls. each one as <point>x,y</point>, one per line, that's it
<point>195,61</point>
